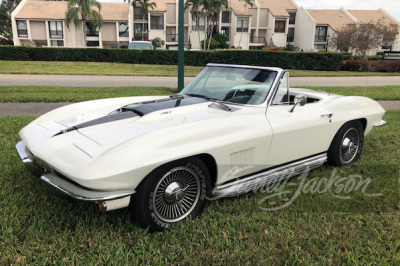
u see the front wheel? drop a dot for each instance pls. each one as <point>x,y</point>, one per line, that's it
<point>347,144</point>
<point>171,193</point>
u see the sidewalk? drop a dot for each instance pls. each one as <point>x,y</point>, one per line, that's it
<point>41,108</point>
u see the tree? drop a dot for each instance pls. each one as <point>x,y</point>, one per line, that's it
<point>157,42</point>
<point>144,5</point>
<point>364,37</point>
<point>196,12</point>
<point>86,9</point>
<point>6,8</point>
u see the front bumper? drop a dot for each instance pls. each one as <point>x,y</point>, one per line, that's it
<point>380,123</point>
<point>73,190</point>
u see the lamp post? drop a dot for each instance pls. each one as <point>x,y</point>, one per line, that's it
<point>327,41</point>
<point>181,44</point>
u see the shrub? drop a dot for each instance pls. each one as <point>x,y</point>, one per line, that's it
<point>291,48</point>
<point>157,42</point>
<point>374,66</point>
<point>213,45</point>
<point>272,48</point>
<point>287,60</point>
<point>222,40</point>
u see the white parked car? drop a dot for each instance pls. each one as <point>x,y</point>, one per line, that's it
<point>233,128</point>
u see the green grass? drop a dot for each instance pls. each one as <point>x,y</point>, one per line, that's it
<point>77,94</point>
<point>119,69</point>
<point>37,227</point>
<point>74,94</point>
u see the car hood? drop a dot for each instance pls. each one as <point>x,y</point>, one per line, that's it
<point>127,121</point>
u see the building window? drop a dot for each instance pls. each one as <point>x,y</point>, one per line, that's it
<point>280,25</point>
<point>226,17</point>
<point>140,31</point>
<point>56,29</point>
<point>57,43</point>
<point>92,43</point>
<point>123,29</point>
<point>320,33</point>
<point>292,18</point>
<point>242,25</point>
<point>290,36</point>
<point>157,22</point>
<point>202,23</point>
<point>91,30</point>
<point>138,14</point>
<point>22,28</point>
<point>226,31</point>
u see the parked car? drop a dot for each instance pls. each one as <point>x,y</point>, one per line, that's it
<point>140,45</point>
<point>231,129</point>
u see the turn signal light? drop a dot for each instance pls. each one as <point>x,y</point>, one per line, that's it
<point>102,206</point>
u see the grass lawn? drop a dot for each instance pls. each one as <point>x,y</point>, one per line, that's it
<point>37,227</point>
<point>119,69</point>
<point>77,94</point>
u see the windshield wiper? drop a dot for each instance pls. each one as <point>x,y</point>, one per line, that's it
<point>224,106</point>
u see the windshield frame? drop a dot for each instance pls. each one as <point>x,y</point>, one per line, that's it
<point>271,91</point>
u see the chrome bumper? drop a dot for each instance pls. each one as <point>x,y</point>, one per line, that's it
<point>380,123</point>
<point>63,185</point>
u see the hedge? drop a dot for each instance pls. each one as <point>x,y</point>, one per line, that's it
<point>373,66</point>
<point>286,60</point>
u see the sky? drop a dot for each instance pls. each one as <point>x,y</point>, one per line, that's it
<point>391,6</point>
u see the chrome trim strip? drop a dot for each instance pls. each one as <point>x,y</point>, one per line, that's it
<point>380,123</point>
<point>80,193</point>
<point>270,176</point>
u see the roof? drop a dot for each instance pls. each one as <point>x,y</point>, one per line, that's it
<point>161,5</point>
<point>336,19</point>
<point>239,7</point>
<point>366,16</point>
<point>57,9</point>
<point>278,8</point>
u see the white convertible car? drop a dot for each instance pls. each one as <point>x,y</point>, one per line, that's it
<point>232,129</point>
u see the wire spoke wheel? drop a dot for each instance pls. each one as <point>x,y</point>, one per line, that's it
<point>176,194</point>
<point>349,145</point>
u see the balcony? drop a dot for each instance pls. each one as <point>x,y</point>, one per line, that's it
<point>320,38</point>
<point>171,37</point>
<point>257,39</point>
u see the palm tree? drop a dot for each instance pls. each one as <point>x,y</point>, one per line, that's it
<point>196,12</point>
<point>84,8</point>
<point>212,8</point>
<point>144,5</point>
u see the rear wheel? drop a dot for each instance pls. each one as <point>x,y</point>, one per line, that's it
<point>347,144</point>
<point>171,193</point>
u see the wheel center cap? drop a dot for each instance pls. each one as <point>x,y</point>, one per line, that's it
<point>174,192</point>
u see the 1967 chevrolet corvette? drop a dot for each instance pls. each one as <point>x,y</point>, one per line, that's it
<point>231,129</point>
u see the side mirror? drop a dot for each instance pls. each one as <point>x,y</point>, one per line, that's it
<point>299,99</point>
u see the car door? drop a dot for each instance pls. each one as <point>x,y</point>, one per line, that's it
<point>301,133</point>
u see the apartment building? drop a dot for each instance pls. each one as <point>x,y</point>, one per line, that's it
<point>315,27</point>
<point>267,22</point>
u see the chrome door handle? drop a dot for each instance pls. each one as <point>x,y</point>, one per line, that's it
<point>327,115</point>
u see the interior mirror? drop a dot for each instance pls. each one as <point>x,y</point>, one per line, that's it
<point>299,99</point>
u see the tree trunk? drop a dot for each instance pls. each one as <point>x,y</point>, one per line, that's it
<point>197,29</point>
<point>143,26</point>
<point>84,32</point>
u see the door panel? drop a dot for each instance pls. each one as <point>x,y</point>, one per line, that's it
<point>304,132</point>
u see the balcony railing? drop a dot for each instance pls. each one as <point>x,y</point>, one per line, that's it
<point>172,37</point>
<point>22,32</point>
<point>320,38</point>
<point>257,39</point>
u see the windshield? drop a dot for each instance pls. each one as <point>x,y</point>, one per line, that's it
<point>140,45</point>
<point>234,85</point>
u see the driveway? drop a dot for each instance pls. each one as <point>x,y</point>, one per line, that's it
<point>125,81</point>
